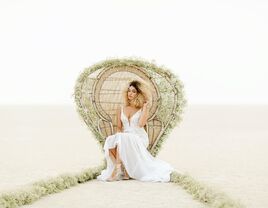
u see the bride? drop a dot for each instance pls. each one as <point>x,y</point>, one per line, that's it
<point>126,151</point>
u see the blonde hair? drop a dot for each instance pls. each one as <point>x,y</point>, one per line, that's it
<point>144,93</point>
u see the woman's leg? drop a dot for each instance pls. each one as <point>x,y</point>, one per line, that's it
<point>119,161</point>
<point>112,153</point>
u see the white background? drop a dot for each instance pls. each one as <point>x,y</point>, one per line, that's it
<point>218,49</point>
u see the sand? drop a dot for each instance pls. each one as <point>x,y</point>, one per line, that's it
<point>224,146</point>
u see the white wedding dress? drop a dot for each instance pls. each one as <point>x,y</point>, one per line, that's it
<point>132,145</point>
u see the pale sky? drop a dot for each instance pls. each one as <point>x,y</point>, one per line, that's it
<point>218,49</point>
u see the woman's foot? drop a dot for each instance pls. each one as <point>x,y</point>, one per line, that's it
<point>117,173</point>
<point>125,176</point>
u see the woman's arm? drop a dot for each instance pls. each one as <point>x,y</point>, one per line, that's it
<point>144,115</point>
<point>119,122</point>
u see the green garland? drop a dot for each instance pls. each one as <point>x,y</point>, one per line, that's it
<point>199,191</point>
<point>34,191</point>
<point>39,189</point>
<point>203,193</point>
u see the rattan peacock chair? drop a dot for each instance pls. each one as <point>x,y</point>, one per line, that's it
<point>98,93</point>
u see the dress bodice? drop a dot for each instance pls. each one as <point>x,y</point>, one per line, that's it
<point>133,121</point>
<point>131,125</point>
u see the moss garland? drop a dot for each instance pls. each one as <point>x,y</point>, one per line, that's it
<point>33,192</point>
<point>201,192</point>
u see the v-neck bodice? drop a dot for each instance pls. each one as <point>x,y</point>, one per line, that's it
<point>131,125</point>
<point>129,120</point>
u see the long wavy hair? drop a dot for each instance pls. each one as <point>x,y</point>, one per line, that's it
<point>143,93</point>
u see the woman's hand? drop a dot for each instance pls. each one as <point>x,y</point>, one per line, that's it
<point>145,104</point>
